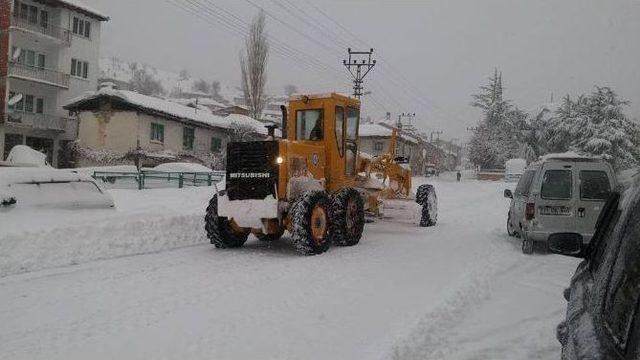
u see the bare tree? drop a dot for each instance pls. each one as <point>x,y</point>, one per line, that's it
<point>253,65</point>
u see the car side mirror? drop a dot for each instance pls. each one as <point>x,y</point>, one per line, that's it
<point>568,244</point>
<point>508,194</point>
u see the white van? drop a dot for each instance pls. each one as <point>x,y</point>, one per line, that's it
<point>559,196</point>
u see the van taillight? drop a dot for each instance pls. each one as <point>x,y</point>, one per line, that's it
<point>530,212</point>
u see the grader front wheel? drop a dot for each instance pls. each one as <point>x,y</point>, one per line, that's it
<point>311,229</point>
<point>219,230</point>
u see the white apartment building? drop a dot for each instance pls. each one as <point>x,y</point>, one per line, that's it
<point>52,54</point>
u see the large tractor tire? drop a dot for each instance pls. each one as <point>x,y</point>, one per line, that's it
<point>426,196</point>
<point>347,217</point>
<point>219,230</point>
<point>311,229</point>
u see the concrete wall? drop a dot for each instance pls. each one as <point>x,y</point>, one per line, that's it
<point>120,131</point>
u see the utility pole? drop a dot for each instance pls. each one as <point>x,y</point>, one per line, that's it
<point>362,59</point>
<point>409,116</point>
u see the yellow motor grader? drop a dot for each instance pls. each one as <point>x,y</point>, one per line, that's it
<point>312,182</point>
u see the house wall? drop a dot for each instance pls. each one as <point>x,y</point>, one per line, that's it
<point>120,132</point>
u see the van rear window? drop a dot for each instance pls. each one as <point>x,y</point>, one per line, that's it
<point>594,185</point>
<point>556,184</point>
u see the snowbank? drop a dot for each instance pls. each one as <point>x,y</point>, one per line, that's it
<point>182,167</point>
<point>144,221</point>
<point>22,155</point>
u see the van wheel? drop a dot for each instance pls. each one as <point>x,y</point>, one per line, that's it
<point>511,230</point>
<point>527,246</point>
<point>219,230</point>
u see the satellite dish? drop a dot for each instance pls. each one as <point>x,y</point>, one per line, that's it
<point>16,54</point>
<point>15,99</point>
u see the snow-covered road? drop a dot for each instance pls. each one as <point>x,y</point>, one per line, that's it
<point>460,290</point>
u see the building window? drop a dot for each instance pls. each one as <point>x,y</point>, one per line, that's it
<point>378,146</point>
<point>30,57</point>
<point>157,132</point>
<point>44,18</point>
<point>33,14</point>
<point>39,105</point>
<point>81,27</point>
<point>28,103</point>
<point>79,68</point>
<point>41,61</point>
<point>188,136</point>
<point>216,145</point>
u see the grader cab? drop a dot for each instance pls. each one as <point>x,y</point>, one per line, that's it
<point>311,182</point>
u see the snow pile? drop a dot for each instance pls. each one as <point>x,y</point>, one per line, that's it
<point>182,167</point>
<point>22,155</point>
<point>47,187</point>
<point>143,222</point>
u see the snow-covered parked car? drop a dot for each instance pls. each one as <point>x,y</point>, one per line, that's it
<point>53,188</point>
<point>24,156</point>
<point>560,195</point>
<point>603,311</point>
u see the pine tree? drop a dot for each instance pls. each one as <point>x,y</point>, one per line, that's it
<point>596,125</point>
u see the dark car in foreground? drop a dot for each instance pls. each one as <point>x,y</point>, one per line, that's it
<point>603,318</point>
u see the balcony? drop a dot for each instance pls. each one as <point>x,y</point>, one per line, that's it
<point>38,121</point>
<point>55,33</point>
<point>41,75</point>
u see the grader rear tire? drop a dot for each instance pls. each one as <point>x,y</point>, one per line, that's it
<point>347,217</point>
<point>311,229</point>
<point>218,229</point>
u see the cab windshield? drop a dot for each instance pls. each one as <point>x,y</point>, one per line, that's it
<point>309,125</point>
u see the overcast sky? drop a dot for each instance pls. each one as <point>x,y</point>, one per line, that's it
<point>432,55</point>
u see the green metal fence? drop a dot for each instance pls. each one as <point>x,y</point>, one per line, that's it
<point>146,179</point>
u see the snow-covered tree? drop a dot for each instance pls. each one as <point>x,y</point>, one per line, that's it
<point>144,82</point>
<point>596,124</point>
<point>202,86</point>
<point>253,65</point>
<point>498,137</point>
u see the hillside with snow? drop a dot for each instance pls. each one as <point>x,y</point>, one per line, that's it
<point>121,71</point>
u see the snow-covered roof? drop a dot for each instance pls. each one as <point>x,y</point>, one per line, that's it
<point>165,107</point>
<point>569,155</point>
<point>80,6</point>
<point>377,130</point>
